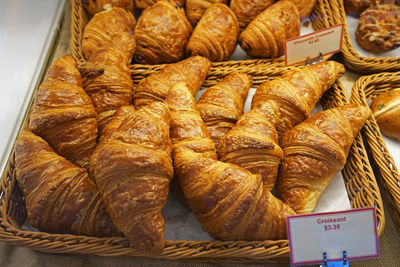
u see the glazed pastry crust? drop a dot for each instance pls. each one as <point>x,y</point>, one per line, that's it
<point>196,8</point>
<point>60,197</point>
<point>253,143</point>
<point>304,7</point>
<point>379,28</point>
<point>221,105</point>
<point>155,87</point>
<point>63,114</point>
<point>314,151</point>
<point>103,26</point>
<point>265,36</point>
<point>247,10</point>
<point>96,6</point>
<point>216,34</point>
<point>161,34</point>
<point>133,170</point>
<point>143,4</point>
<point>386,110</point>
<point>355,7</point>
<point>298,91</point>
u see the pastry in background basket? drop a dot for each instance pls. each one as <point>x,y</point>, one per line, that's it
<point>314,151</point>
<point>221,105</point>
<point>143,4</point>
<point>63,114</point>
<point>379,28</point>
<point>355,7</point>
<point>216,34</point>
<point>196,8</point>
<point>298,91</point>
<point>304,7</point>
<point>96,6</point>
<point>247,10</point>
<point>59,196</point>
<point>386,110</point>
<point>253,143</point>
<point>133,170</point>
<point>103,27</point>
<point>108,82</point>
<point>265,36</point>
<point>155,87</point>
<point>162,33</point>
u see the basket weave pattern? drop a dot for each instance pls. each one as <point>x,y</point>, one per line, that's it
<point>367,88</point>
<point>358,175</point>
<point>320,17</point>
<point>353,60</point>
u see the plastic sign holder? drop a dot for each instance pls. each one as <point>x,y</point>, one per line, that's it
<point>333,238</point>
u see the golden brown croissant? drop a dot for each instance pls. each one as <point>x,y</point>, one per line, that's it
<point>247,10</point>
<point>63,114</point>
<point>265,35</point>
<point>133,170</point>
<point>155,87</point>
<point>196,8</point>
<point>229,201</point>
<point>298,91</point>
<point>102,28</point>
<point>95,6</point>
<point>314,151</point>
<point>304,7</point>
<point>216,34</point>
<point>162,33</point>
<point>187,128</point>
<point>107,80</point>
<point>253,143</point>
<point>143,4</point>
<point>221,105</point>
<point>60,197</point>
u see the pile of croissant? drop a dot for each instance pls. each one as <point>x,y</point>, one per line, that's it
<point>170,30</point>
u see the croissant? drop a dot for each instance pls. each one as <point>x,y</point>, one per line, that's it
<point>221,105</point>
<point>265,35</point>
<point>355,7</point>
<point>216,34</point>
<point>304,7</point>
<point>60,197</point>
<point>253,143</point>
<point>63,114</point>
<point>143,4</point>
<point>162,33</point>
<point>247,10</point>
<point>155,87</point>
<point>229,201</point>
<point>187,128</point>
<point>314,151</point>
<point>196,8</point>
<point>133,170</point>
<point>107,80</point>
<point>298,91</point>
<point>103,27</point>
<point>95,6</point>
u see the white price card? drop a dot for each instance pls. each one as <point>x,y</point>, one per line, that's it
<point>353,231</point>
<point>311,46</point>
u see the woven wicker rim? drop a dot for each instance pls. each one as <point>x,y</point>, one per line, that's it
<point>358,177</point>
<point>353,60</point>
<point>367,88</point>
<point>321,18</point>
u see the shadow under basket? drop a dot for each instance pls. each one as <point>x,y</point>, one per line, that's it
<point>321,18</point>
<point>367,88</point>
<point>358,176</point>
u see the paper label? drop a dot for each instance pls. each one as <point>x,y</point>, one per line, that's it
<point>353,231</point>
<point>313,45</point>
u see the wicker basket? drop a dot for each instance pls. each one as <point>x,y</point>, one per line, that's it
<point>321,19</point>
<point>352,59</point>
<point>367,88</point>
<point>359,180</point>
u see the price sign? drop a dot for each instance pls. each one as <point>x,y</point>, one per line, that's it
<point>353,231</point>
<point>313,45</point>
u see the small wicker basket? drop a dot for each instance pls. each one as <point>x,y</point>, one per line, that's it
<point>358,176</point>
<point>321,19</point>
<point>367,88</point>
<point>353,60</point>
